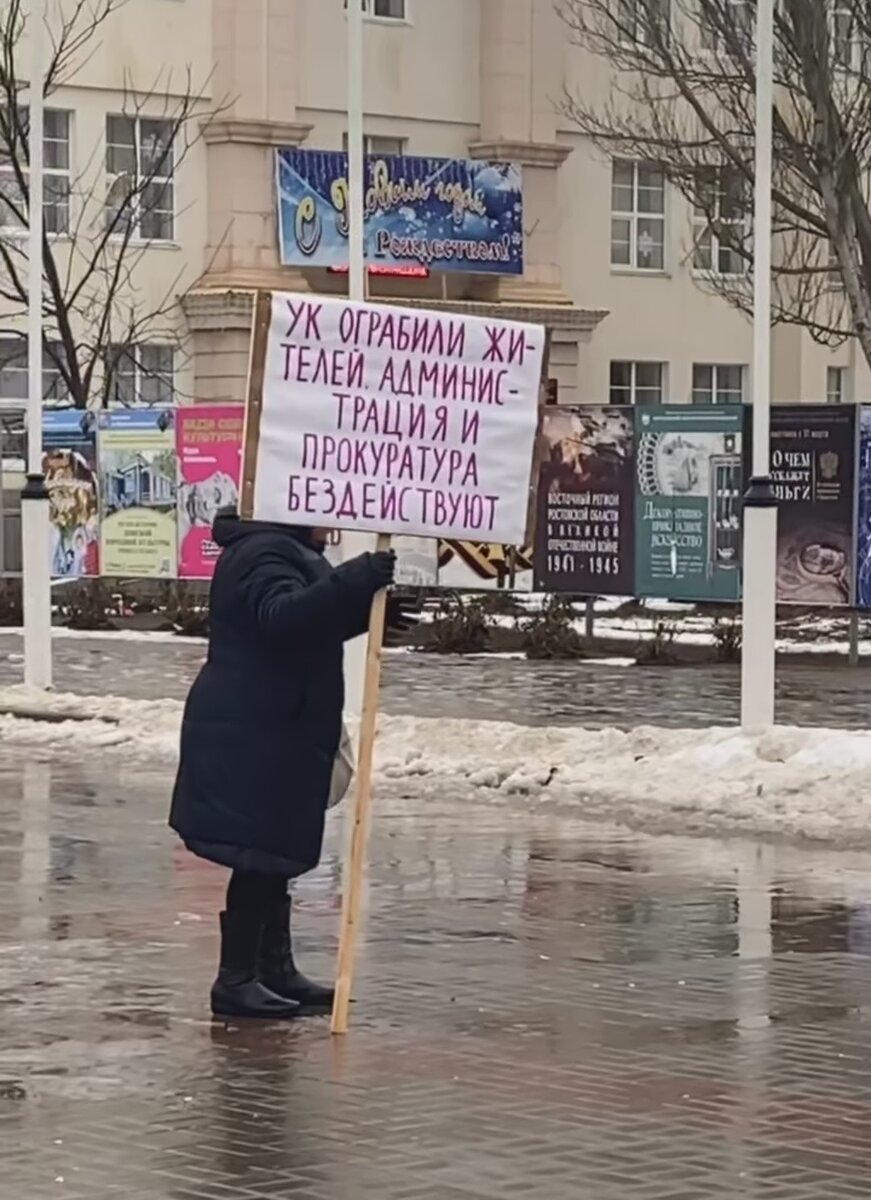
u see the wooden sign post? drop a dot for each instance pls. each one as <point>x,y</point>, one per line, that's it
<point>354,879</point>
<point>380,420</point>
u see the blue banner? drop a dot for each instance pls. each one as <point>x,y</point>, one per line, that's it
<point>439,213</point>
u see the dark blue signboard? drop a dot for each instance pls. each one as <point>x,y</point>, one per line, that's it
<point>439,213</point>
<point>863,565</point>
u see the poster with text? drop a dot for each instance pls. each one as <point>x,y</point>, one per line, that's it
<point>435,214</point>
<point>69,462</point>
<point>689,486</point>
<point>813,466</point>
<point>863,567</point>
<point>138,492</point>
<point>585,533</point>
<point>384,420</point>
<point>209,447</point>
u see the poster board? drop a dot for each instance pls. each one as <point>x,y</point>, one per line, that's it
<point>688,502</point>
<point>863,514</point>
<point>209,449</point>
<point>69,463</point>
<point>813,469</point>
<point>138,493</point>
<point>585,535</point>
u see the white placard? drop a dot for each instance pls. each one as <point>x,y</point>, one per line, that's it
<point>396,420</point>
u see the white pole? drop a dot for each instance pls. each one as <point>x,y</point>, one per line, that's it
<point>356,255</point>
<point>760,508</point>
<point>355,543</point>
<point>34,497</point>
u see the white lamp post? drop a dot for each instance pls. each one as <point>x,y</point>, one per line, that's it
<point>34,497</point>
<point>760,506</point>
<point>355,543</point>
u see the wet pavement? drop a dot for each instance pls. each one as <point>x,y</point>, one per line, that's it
<point>545,1010</point>
<point>592,694</point>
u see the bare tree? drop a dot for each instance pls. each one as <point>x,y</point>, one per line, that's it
<point>100,221</point>
<point>682,102</point>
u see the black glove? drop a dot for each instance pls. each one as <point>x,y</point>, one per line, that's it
<point>369,573</point>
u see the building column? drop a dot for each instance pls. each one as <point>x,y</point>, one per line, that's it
<point>522,45</point>
<point>255,45</point>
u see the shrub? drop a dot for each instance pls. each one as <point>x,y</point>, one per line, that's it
<point>501,604</point>
<point>460,626</point>
<point>85,604</point>
<point>550,633</point>
<point>11,610</point>
<point>659,649</point>
<point>141,596</point>
<point>188,610</point>
<point>727,639</point>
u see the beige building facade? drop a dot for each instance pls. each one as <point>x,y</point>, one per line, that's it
<point>608,261</point>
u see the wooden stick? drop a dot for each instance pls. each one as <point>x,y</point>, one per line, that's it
<point>355,868</point>
<point>260,323</point>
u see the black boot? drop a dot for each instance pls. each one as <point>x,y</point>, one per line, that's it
<point>237,992</point>
<point>276,969</point>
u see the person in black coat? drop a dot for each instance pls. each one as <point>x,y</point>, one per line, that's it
<point>260,733</point>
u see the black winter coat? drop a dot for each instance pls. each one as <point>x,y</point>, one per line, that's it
<point>263,720</point>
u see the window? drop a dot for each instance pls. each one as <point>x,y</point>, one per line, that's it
<point>721,222</point>
<point>385,10</point>
<point>13,457</point>
<point>636,383</point>
<point>718,383</point>
<point>725,23</point>
<point>375,144</point>
<point>836,378</point>
<point>642,22</point>
<point>56,177</point>
<point>141,375</point>
<point>849,36</point>
<point>637,216</point>
<point>13,372</point>
<point>139,164</point>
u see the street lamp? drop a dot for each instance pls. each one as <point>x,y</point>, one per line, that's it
<point>36,582</point>
<point>355,543</point>
<point>760,504</point>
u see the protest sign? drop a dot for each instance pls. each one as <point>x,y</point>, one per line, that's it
<point>209,446</point>
<point>393,421</point>
<point>396,422</point>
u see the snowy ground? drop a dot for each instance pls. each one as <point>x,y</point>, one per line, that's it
<point>686,625</point>
<point>825,632</point>
<point>789,783</point>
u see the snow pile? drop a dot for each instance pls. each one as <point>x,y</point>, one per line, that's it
<point>35,718</point>
<point>796,783</point>
<point>792,783</point>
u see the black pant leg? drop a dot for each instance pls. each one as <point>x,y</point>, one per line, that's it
<point>254,889</point>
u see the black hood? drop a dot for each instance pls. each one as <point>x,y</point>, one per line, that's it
<point>229,527</point>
